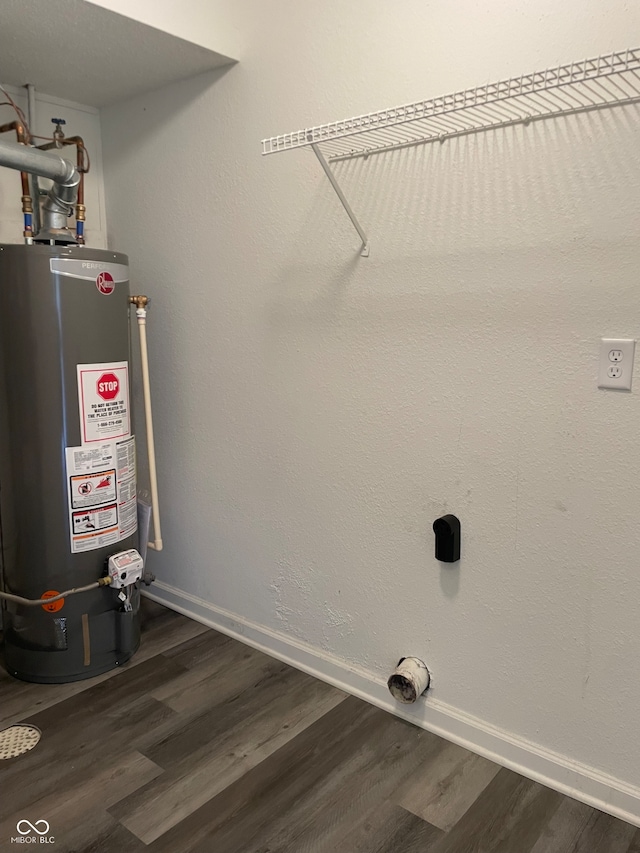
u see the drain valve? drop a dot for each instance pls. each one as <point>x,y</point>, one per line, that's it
<point>410,679</point>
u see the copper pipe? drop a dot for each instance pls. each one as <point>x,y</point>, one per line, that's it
<point>21,133</point>
<point>23,139</point>
<point>70,140</point>
<point>80,163</point>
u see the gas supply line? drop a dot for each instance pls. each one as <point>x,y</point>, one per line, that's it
<point>33,602</point>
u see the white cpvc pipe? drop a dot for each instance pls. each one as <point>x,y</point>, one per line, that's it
<point>141,314</point>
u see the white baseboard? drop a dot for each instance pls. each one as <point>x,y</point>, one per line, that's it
<point>550,768</point>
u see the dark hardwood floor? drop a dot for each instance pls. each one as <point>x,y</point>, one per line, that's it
<point>204,745</point>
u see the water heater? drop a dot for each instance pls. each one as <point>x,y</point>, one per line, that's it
<point>67,460</point>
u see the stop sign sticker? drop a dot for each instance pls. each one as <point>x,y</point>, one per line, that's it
<point>105,283</point>
<point>108,386</point>
<point>103,395</point>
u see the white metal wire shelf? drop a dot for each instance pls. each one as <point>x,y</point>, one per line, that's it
<point>604,81</point>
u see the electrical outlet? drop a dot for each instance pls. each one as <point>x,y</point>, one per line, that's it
<point>616,363</point>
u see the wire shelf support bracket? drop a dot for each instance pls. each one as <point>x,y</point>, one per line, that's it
<point>364,251</point>
<point>592,84</point>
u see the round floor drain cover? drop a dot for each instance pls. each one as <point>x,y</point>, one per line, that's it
<point>18,739</point>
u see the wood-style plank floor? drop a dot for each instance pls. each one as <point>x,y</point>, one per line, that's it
<point>204,745</point>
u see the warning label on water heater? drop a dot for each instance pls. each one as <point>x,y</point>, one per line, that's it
<point>103,395</point>
<point>87,489</point>
<point>101,482</point>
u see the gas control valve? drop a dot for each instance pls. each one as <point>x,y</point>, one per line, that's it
<point>125,568</point>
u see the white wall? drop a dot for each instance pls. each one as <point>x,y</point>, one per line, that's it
<point>80,121</point>
<point>317,411</point>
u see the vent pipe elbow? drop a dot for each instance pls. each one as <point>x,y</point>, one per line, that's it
<point>62,195</point>
<point>60,200</point>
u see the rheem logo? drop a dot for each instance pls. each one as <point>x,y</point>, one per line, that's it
<point>105,283</point>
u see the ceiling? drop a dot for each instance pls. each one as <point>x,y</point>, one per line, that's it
<point>85,53</point>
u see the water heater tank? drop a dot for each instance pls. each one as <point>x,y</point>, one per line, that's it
<point>67,459</point>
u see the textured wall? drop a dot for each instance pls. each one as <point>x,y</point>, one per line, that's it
<point>316,410</point>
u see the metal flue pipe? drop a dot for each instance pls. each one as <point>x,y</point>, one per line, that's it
<point>62,195</point>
